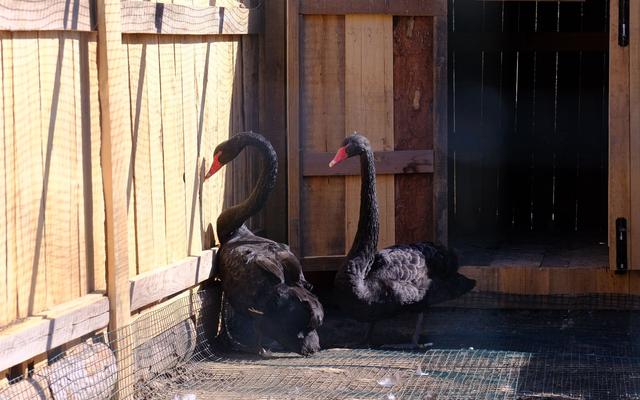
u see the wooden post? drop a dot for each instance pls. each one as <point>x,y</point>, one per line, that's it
<point>115,153</point>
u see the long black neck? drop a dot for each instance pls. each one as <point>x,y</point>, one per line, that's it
<point>365,244</point>
<point>234,217</point>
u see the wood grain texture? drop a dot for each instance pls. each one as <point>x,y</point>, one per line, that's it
<point>156,159</point>
<point>6,169</point>
<point>30,251</point>
<point>192,140</point>
<point>57,127</point>
<point>440,132</point>
<point>47,330</point>
<point>172,138</point>
<point>155,285</point>
<point>369,110</point>
<point>413,125</point>
<point>117,171</point>
<point>80,164</point>
<point>182,19</point>
<point>137,17</point>
<point>52,15</point>
<point>97,278</point>
<point>396,7</point>
<point>293,124</point>
<point>140,140</point>
<point>387,163</point>
<point>619,138</point>
<point>273,110</point>
<point>634,136</point>
<point>322,121</point>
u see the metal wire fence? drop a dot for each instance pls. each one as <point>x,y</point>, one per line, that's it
<point>174,354</point>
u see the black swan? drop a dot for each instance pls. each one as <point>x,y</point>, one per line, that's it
<point>262,279</point>
<point>372,285</point>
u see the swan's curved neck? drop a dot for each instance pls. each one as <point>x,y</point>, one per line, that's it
<point>234,217</point>
<point>365,244</point>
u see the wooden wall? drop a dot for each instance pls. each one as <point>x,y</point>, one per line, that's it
<point>186,94</point>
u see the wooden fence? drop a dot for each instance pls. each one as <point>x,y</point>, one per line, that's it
<point>109,112</point>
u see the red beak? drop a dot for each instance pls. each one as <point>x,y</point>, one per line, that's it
<point>214,167</point>
<point>341,155</point>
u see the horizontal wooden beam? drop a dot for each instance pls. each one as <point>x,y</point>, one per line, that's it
<point>394,7</point>
<point>47,15</point>
<point>50,329</point>
<point>322,263</point>
<point>533,41</point>
<point>155,285</point>
<point>137,17</point>
<point>177,19</point>
<point>387,163</point>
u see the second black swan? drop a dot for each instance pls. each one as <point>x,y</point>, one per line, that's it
<point>261,278</point>
<point>372,285</point>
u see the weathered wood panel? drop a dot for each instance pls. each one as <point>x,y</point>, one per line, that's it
<point>387,163</point>
<point>323,120</point>
<point>619,134</point>
<point>413,124</point>
<point>369,110</point>
<point>396,7</point>
<point>634,131</point>
<point>137,17</point>
<point>342,73</point>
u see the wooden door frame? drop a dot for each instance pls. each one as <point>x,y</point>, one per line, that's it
<point>622,124</point>
<point>296,9</point>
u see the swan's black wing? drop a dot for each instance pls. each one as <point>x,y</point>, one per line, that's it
<point>401,272</point>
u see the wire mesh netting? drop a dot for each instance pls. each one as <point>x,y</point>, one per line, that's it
<point>174,353</point>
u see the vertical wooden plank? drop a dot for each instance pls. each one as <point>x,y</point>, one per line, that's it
<point>274,109</point>
<point>207,59</point>
<point>80,47</point>
<point>171,128</point>
<point>223,71</point>
<point>11,305</point>
<point>157,166</point>
<point>202,54</point>
<point>29,214</point>
<point>634,130</point>
<point>116,154</point>
<point>413,124</point>
<point>322,95</point>
<point>137,47</point>
<point>58,131</point>
<point>99,244</point>
<point>440,131</point>
<point>293,124</point>
<point>5,170</point>
<point>619,140</point>
<point>369,110</point>
<point>192,143</point>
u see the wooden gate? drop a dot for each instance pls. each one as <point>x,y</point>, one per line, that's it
<point>379,68</point>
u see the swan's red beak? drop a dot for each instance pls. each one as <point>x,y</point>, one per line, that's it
<point>341,155</point>
<point>214,167</point>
